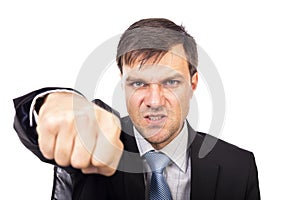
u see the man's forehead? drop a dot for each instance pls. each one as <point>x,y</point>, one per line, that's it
<point>175,54</point>
<point>151,72</point>
<point>173,60</point>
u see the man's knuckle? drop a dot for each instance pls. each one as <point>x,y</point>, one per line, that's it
<point>62,158</point>
<point>47,152</point>
<point>98,163</point>
<point>65,119</point>
<point>110,172</point>
<point>79,163</point>
<point>62,162</point>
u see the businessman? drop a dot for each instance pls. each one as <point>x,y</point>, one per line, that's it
<point>150,154</point>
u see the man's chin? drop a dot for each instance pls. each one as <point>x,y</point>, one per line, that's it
<point>152,132</point>
<point>155,136</point>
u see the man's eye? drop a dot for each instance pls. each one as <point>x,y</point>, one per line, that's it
<point>138,84</point>
<point>171,83</point>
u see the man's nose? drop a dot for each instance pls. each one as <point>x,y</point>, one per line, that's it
<point>154,97</point>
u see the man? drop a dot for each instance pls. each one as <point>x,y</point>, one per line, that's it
<point>97,155</point>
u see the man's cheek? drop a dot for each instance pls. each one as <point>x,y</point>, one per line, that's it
<point>134,96</point>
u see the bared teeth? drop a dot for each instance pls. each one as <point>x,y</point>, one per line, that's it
<point>155,118</point>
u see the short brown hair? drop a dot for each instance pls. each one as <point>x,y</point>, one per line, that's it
<point>153,38</point>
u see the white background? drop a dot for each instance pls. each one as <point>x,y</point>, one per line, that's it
<point>255,46</point>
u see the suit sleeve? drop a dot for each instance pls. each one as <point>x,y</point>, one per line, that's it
<point>62,184</point>
<point>27,133</point>
<point>253,192</point>
<point>65,178</point>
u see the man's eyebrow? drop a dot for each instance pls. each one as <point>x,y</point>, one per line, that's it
<point>130,79</point>
<point>163,78</point>
<point>175,76</point>
<point>172,77</point>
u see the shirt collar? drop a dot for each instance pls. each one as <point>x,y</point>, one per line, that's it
<point>176,150</point>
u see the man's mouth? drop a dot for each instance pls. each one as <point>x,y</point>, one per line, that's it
<point>155,118</point>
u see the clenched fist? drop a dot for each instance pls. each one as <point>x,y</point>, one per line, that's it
<point>73,131</point>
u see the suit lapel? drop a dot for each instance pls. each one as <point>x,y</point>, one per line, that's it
<point>204,174</point>
<point>131,164</point>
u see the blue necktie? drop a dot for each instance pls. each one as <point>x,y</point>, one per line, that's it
<point>159,189</point>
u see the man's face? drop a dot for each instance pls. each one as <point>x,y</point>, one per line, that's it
<point>158,97</point>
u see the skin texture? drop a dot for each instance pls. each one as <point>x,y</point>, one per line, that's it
<point>158,96</point>
<point>76,132</point>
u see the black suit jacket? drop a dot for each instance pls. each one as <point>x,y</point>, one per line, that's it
<point>226,172</point>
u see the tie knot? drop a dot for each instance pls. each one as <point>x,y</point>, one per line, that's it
<point>157,160</point>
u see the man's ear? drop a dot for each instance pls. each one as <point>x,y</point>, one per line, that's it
<point>121,78</point>
<point>194,81</point>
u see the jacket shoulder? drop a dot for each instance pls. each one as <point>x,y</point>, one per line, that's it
<point>224,152</point>
<point>237,170</point>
